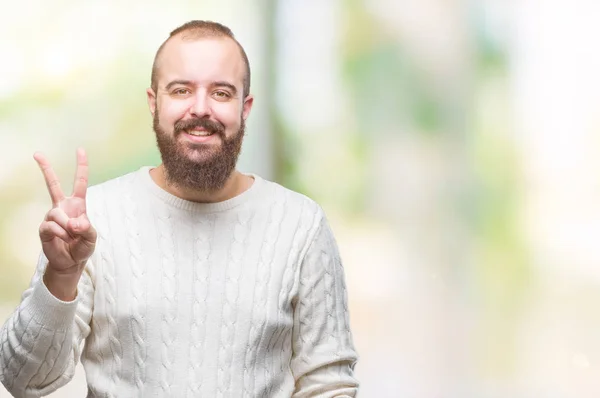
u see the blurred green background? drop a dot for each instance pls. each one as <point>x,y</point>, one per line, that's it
<point>453,144</point>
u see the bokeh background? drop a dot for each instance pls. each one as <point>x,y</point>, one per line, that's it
<point>453,144</point>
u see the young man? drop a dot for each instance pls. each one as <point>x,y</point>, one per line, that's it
<point>189,279</point>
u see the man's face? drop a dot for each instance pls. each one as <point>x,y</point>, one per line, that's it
<point>199,111</point>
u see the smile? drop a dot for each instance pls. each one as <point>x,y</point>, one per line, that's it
<point>199,133</point>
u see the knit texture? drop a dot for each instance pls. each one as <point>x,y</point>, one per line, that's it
<point>241,298</point>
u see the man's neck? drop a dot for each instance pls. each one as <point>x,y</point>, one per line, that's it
<point>236,184</point>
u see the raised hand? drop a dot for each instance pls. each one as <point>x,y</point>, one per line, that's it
<point>68,238</point>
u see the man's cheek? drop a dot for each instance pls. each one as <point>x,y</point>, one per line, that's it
<point>174,111</point>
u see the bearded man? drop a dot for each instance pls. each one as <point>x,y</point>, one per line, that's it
<point>190,279</point>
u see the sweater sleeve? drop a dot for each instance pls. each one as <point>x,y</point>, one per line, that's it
<point>40,343</point>
<point>323,351</point>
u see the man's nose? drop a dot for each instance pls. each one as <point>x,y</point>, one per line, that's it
<point>201,106</point>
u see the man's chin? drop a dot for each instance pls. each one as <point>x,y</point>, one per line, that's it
<point>198,156</point>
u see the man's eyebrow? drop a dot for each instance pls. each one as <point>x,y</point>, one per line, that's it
<point>230,86</point>
<point>176,82</point>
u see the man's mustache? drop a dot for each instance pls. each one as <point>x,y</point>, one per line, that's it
<point>206,124</point>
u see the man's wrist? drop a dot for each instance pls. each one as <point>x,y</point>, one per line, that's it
<point>63,286</point>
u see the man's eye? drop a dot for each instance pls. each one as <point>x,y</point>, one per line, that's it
<point>181,91</point>
<point>222,94</point>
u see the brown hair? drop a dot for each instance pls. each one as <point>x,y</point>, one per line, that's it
<point>196,30</point>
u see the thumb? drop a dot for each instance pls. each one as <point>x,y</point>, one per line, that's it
<point>82,227</point>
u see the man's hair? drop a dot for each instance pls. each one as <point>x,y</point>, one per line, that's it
<point>197,29</point>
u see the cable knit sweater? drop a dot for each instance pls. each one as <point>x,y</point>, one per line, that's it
<point>242,298</point>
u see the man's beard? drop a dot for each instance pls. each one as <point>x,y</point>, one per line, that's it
<point>208,174</point>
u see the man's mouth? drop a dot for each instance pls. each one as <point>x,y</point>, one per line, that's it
<point>199,133</point>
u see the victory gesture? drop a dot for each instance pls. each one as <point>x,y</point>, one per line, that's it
<point>68,238</point>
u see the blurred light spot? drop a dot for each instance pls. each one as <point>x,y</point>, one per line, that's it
<point>57,61</point>
<point>11,69</point>
<point>580,361</point>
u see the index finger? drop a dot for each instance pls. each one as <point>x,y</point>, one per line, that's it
<point>81,175</point>
<point>56,193</point>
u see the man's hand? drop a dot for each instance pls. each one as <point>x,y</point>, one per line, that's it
<point>68,238</point>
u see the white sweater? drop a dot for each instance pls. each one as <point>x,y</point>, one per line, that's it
<point>242,298</point>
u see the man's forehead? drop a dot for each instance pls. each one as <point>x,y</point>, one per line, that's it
<point>178,52</point>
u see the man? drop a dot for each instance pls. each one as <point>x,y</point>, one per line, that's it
<point>190,279</point>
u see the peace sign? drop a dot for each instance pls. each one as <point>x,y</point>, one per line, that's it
<point>68,238</point>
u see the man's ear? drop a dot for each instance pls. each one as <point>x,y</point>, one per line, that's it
<point>247,107</point>
<point>151,97</point>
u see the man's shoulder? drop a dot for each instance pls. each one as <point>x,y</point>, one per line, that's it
<point>291,198</point>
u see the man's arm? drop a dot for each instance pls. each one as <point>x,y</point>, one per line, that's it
<point>323,351</point>
<point>40,343</point>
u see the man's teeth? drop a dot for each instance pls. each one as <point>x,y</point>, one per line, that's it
<point>199,133</point>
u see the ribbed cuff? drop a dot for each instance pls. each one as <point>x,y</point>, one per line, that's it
<point>50,312</point>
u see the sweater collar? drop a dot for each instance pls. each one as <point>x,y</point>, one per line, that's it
<point>172,200</point>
